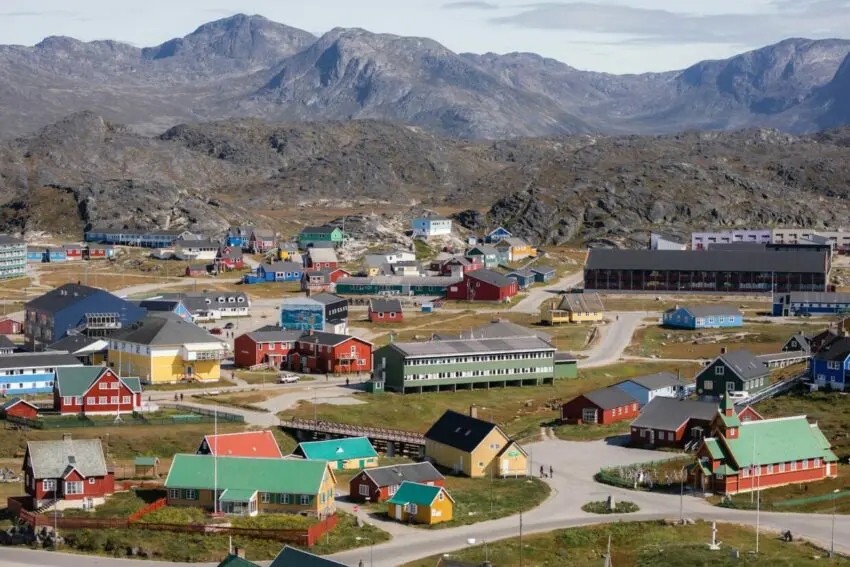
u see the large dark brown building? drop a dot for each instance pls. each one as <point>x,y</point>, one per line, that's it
<point>712,271</point>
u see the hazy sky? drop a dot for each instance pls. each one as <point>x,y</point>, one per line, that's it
<point>622,36</point>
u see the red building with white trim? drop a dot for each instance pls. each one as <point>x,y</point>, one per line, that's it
<point>271,347</point>
<point>385,311</point>
<point>327,352</point>
<point>483,285</point>
<point>601,407</point>
<point>95,390</point>
<point>17,407</point>
<point>243,444</point>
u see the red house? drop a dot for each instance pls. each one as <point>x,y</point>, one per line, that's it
<point>245,444</point>
<point>385,311</point>
<point>483,285</point>
<point>323,280</point>
<point>261,240</point>
<point>10,327</point>
<point>327,352</point>
<point>73,251</point>
<point>95,390</point>
<point>381,483</point>
<point>264,347</point>
<point>71,471</point>
<point>608,405</point>
<point>320,258</point>
<point>229,258</point>
<point>460,265</point>
<point>19,408</point>
<point>99,251</point>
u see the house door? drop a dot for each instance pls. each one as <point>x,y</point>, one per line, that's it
<point>506,466</point>
<point>362,463</point>
<point>398,511</point>
<point>651,436</point>
<point>340,465</point>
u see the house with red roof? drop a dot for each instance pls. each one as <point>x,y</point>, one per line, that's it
<point>245,444</point>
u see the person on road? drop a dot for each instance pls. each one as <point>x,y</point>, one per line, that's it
<point>551,472</point>
<point>181,396</point>
<point>542,472</point>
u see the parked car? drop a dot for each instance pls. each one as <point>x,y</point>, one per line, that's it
<point>287,378</point>
<point>740,395</point>
<point>229,326</point>
<point>215,331</point>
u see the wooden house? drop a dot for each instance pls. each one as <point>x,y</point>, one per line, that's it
<point>146,467</point>
<point>542,274</point>
<point>601,407</point>
<point>734,371</point>
<point>340,454</point>
<point>259,444</point>
<point>421,504</point>
<point>483,285</point>
<point>18,407</point>
<point>385,311</point>
<point>10,327</point>
<point>572,308</point>
<point>95,390</point>
<point>380,483</point>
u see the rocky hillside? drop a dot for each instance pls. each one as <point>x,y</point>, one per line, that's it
<point>248,66</point>
<point>86,170</point>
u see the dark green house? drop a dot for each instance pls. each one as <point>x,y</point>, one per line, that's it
<point>734,371</point>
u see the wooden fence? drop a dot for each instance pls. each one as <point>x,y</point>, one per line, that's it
<point>138,514</point>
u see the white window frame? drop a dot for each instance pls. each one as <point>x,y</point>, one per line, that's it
<point>74,488</point>
<point>91,480</point>
<point>265,498</point>
<point>719,370</point>
<point>48,484</point>
<point>305,500</point>
<point>125,400</point>
<point>174,493</point>
<point>364,490</point>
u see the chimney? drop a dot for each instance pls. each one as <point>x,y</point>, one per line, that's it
<point>66,437</point>
<point>239,552</point>
<point>473,411</point>
<point>722,350</point>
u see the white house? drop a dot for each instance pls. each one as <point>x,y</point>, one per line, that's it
<point>391,257</point>
<point>659,241</point>
<point>645,388</point>
<point>432,225</point>
<point>195,250</point>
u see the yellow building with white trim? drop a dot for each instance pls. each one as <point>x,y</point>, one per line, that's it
<point>572,308</point>
<point>163,348</point>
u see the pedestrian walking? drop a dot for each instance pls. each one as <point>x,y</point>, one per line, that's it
<point>542,472</point>
<point>181,396</point>
<point>551,472</point>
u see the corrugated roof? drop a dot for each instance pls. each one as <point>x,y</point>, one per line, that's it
<point>326,298</point>
<point>281,267</point>
<point>282,476</point>
<point>542,269</point>
<point>243,444</point>
<point>744,363</point>
<point>77,381</point>
<point>16,400</point>
<point>819,297</point>
<point>62,297</point>
<point>706,260</point>
<point>490,277</point>
<point>414,493</point>
<point>165,328</point>
<point>609,398</point>
<point>413,472</point>
<point>337,449</point>
<point>709,310</point>
<point>777,440</point>
<point>76,343</point>
<point>385,305</point>
<point>498,329</point>
<point>275,336</point>
<point>587,302</point>
<point>37,360</point>
<point>53,459</point>
<point>668,414</point>
<point>459,430</point>
<point>657,381</point>
<point>322,254</point>
<point>473,346</point>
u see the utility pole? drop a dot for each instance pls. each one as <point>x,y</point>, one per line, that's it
<point>520,537</point>
<point>608,562</point>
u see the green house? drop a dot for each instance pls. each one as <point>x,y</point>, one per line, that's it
<point>735,371</point>
<point>566,365</point>
<point>320,234</point>
<point>344,453</point>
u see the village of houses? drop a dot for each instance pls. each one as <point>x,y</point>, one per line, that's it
<point>679,366</point>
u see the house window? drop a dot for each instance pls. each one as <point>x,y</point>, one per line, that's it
<point>745,472</point>
<point>113,400</point>
<point>92,401</point>
<point>265,497</point>
<point>440,497</point>
<point>411,509</point>
<point>793,466</point>
<point>91,481</point>
<point>588,415</point>
<point>816,463</point>
<point>125,400</point>
<point>364,490</point>
<point>305,499</point>
<point>708,385</point>
<point>805,463</point>
<point>769,469</point>
<point>283,498</point>
<point>781,467</point>
<point>173,494</point>
<point>68,400</point>
<point>101,400</point>
<point>634,407</point>
<point>730,386</point>
<point>48,484</point>
<point>719,370</point>
<point>73,487</point>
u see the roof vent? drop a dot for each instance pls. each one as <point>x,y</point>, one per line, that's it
<point>72,460</point>
<point>339,450</point>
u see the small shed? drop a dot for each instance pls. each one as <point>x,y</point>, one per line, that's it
<point>19,407</point>
<point>10,327</point>
<point>146,467</point>
<point>196,270</point>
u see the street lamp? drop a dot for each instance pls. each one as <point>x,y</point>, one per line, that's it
<point>832,539</point>
<point>682,496</point>
<point>371,547</point>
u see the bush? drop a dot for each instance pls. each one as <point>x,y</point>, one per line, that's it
<point>274,522</point>
<point>601,507</point>
<point>175,515</point>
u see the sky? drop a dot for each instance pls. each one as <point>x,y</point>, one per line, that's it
<point>619,36</point>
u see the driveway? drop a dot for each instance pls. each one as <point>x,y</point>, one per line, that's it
<point>537,295</point>
<point>615,337</point>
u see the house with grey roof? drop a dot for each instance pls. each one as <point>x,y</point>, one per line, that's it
<point>386,311</point>
<point>600,407</point>
<point>707,316</point>
<point>645,388</point>
<point>484,285</point>
<point>736,371</point>
<point>671,422</point>
<point>67,473</point>
<point>380,483</point>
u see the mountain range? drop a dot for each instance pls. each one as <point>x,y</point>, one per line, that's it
<point>248,66</point>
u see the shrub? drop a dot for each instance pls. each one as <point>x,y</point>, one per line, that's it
<point>601,507</point>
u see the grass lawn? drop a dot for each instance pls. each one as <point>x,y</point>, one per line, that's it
<point>120,504</point>
<point>177,515</point>
<point>760,338</point>
<point>660,475</point>
<point>644,544</point>
<point>648,302</point>
<point>586,432</point>
<point>831,410</point>
<point>245,400</point>
<point>221,383</point>
<point>265,377</point>
<point>472,498</point>
<point>520,411</point>
<point>794,491</point>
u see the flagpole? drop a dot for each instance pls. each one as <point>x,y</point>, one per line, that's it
<point>758,496</point>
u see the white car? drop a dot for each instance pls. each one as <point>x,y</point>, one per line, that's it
<point>287,378</point>
<point>740,395</point>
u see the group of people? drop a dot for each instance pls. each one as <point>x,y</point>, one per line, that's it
<point>543,471</point>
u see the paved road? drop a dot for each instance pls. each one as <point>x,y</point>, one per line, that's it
<point>615,338</point>
<point>537,295</point>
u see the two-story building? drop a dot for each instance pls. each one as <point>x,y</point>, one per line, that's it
<point>736,371</point>
<point>320,312</point>
<point>830,365</point>
<point>514,249</point>
<point>32,373</point>
<point>661,384</point>
<point>267,347</point>
<point>431,225</point>
<point>87,310</point>
<point>381,483</point>
<point>237,236</point>
<point>164,348</point>
<point>320,234</point>
<point>485,254</point>
<point>196,250</point>
<point>483,285</point>
<point>95,390</point>
<point>13,257</point>
<point>710,316</point>
<point>135,237</point>
<point>322,280</point>
<point>261,240</point>
<point>331,353</point>
<point>321,258</point>
<point>497,235</point>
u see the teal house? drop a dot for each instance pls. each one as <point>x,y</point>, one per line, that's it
<point>313,234</point>
<point>345,453</point>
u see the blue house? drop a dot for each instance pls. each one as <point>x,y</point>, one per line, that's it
<point>543,274</point>
<point>830,366</point>
<point>32,373</point>
<point>810,303</point>
<point>87,310</point>
<point>276,272</point>
<point>497,235</point>
<point>55,255</point>
<point>238,236</point>
<point>524,277</point>
<point>703,317</point>
<point>36,253</point>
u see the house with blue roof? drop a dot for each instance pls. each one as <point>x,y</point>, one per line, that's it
<point>498,234</point>
<point>344,453</point>
<point>703,317</point>
<point>830,365</point>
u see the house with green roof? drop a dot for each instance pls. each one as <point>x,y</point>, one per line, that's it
<point>741,456</point>
<point>95,390</point>
<point>341,454</point>
<point>248,486</point>
<point>421,503</point>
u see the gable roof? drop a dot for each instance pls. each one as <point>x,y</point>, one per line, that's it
<point>490,277</point>
<point>836,349</point>
<point>293,476</point>
<point>322,254</point>
<point>776,440</point>
<point>76,343</point>
<point>337,449</point>
<point>262,233</point>
<point>78,381</point>
<point>463,432</point>
<point>274,336</point>
<point>587,302</point>
<point>5,343</point>
<point>394,474</point>
<point>415,493</point>
<point>453,347</point>
<point>280,267</point>
<point>521,272</point>
<point>804,342</point>
<point>485,249</point>
<point>37,360</point>
<point>292,557</point>
<point>53,459</point>
<point>244,444</point>
<point>328,339</point>
<point>708,310</point>
<point>164,328</point>
<point>385,305</point>
<point>234,561</point>
<point>15,401</point>
<point>498,329</point>
<point>326,298</point>
<point>609,398</point>
<point>744,363</point>
<point>668,414</point>
<point>656,381</point>
<point>543,270</point>
<point>62,297</point>
<point>318,229</point>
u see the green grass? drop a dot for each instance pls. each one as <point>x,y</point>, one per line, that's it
<point>831,410</point>
<point>423,250</point>
<point>222,383</point>
<point>176,515</point>
<point>520,411</point>
<point>120,504</point>
<point>781,494</point>
<point>257,377</point>
<point>601,507</point>
<point>645,544</point>
<point>589,432</point>
<point>509,496</point>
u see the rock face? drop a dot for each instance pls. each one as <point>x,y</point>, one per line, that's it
<point>86,170</point>
<point>249,66</point>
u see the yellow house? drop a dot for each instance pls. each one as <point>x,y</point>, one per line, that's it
<point>162,348</point>
<point>248,486</point>
<point>515,249</point>
<point>341,454</point>
<point>421,503</point>
<point>572,308</point>
<point>474,447</point>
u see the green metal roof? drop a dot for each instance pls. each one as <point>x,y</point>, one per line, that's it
<point>282,476</point>
<point>714,448</point>
<point>146,461</point>
<point>292,557</point>
<point>338,449</point>
<point>237,495</point>
<point>726,470</point>
<point>730,420</point>
<point>415,493</point>
<point>233,561</point>
<point>777,441</point>
<point>77,381</point>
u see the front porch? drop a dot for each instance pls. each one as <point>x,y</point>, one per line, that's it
<point>238,502</point>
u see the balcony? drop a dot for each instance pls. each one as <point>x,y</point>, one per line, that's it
<point>192,354</point>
